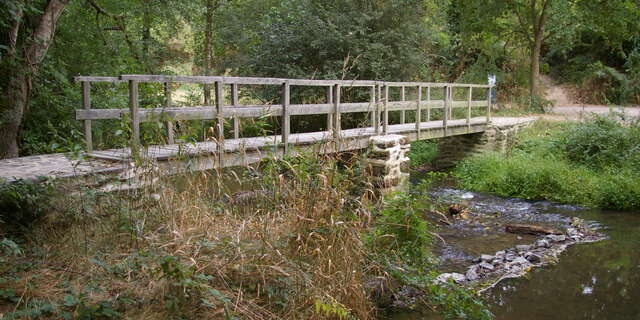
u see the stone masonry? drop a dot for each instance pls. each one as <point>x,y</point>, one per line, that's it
<point>455,148</point>
<point>387,160</point>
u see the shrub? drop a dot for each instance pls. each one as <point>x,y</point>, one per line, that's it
<point>422,152</point>
<point>592,163</point>
<point>602,142</point>
<point>23,202</point>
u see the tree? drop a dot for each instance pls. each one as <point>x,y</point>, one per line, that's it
<point>533,22</point>
<point>26,33</point>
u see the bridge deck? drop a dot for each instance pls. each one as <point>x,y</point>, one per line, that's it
<point>115,160</point>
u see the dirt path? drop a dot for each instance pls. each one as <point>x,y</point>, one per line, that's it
<point>565,107</point>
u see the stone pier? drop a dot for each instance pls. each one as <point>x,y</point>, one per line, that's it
<point>387,161</point>
<point>497,137</point>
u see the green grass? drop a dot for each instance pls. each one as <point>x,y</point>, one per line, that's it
<point>592,163</point>
<point>422,152</point>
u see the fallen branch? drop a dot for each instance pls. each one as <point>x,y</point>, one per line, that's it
<point>529,229</point>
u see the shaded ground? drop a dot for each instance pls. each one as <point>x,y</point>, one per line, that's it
<point>565,106</point>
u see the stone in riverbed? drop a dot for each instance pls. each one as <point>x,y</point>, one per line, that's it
<point>533,257</point>
<point>486,265</point>
<point>457,277</point>
<point>472,275</point>
<point>542,243</point>
<point>520,260</point>
<point>523,247</point>
<point>556,237</point>
<point>486,258</point>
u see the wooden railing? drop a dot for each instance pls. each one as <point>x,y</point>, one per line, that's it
<point>378,105</point>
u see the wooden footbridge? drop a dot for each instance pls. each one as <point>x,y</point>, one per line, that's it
<point>417,110</point>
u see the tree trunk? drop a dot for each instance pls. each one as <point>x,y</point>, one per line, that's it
<point>208,34</point>
<point>26,63</point>
<point>535,63</point>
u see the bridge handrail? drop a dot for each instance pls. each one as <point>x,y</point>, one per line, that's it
<point>379,105</point>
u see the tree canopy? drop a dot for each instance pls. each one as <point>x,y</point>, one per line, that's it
<point>594,45</point>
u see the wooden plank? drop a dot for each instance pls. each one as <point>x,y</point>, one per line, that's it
<point>219,107</point>
<point>337,116</point>
<point>428,103</point>
<point>445,113</point>
<point>96,79</point>
<point>286,119</point>
<point>372,99</point>
<point>167,103</point>
<point>234,103</point>
<point>86,104</point>
<point>489,104</point>
<point>329,99</point>
<point>170,78</point>
<point>385,114</point>
<point>402,98</point>
<point>378,108</point>
<point>419,111</point>
<point>135,117</point>
<point>469,107</point>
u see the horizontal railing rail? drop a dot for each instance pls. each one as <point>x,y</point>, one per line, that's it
<point>378,105</point>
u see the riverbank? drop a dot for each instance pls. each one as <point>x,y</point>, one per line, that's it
<point>593,163</point>
<point>300,238</point>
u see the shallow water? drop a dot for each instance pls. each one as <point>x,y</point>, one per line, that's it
<point>591,281</point>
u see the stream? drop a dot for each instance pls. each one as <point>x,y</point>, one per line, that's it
<point>599,280</point>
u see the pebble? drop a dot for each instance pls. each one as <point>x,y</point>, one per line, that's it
<point>486,265</point>
<point>486,258</point>
<point>533,257</point>
<point>542,243</point>
<point>472,275</point>
<point>557,237</point>
<point>457,277</point>
<point>523,247</point>
<point>520,260</point>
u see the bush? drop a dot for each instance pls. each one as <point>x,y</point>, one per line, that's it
<point>602,142</point>
<point>422,152</point>
<point>401,231</point>
<point>592,163</point>
<point>23,202</point>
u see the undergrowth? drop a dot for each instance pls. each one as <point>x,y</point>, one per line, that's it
<point>594,163</point>
<point>299,238</point>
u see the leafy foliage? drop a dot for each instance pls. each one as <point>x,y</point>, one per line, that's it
<point>592,163</point>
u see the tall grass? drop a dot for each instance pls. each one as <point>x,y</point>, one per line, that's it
<point>290,239</point>
<point>592,163</point>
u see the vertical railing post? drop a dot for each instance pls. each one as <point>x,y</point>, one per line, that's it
<point>337,125</point>
<point>445,107</point>
<point>385,114</point>
<point>234,103</point>
<point>167,103</point>
<point>219,125</point>
<point>452,99</point>
<point>428,104</point>
<point>86,104</point>
<point>489,104</point>
<point>286,118</point>
<point>378,107</point>
<point>374,116</point>
<point>469,108</point>
<point>402,98</point>
<point>135,118</point>
<point>418,112</point>
<point>329,99</point>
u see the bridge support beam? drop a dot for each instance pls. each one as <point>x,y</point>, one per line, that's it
<point>387,161</point>
<point>453,149</point>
